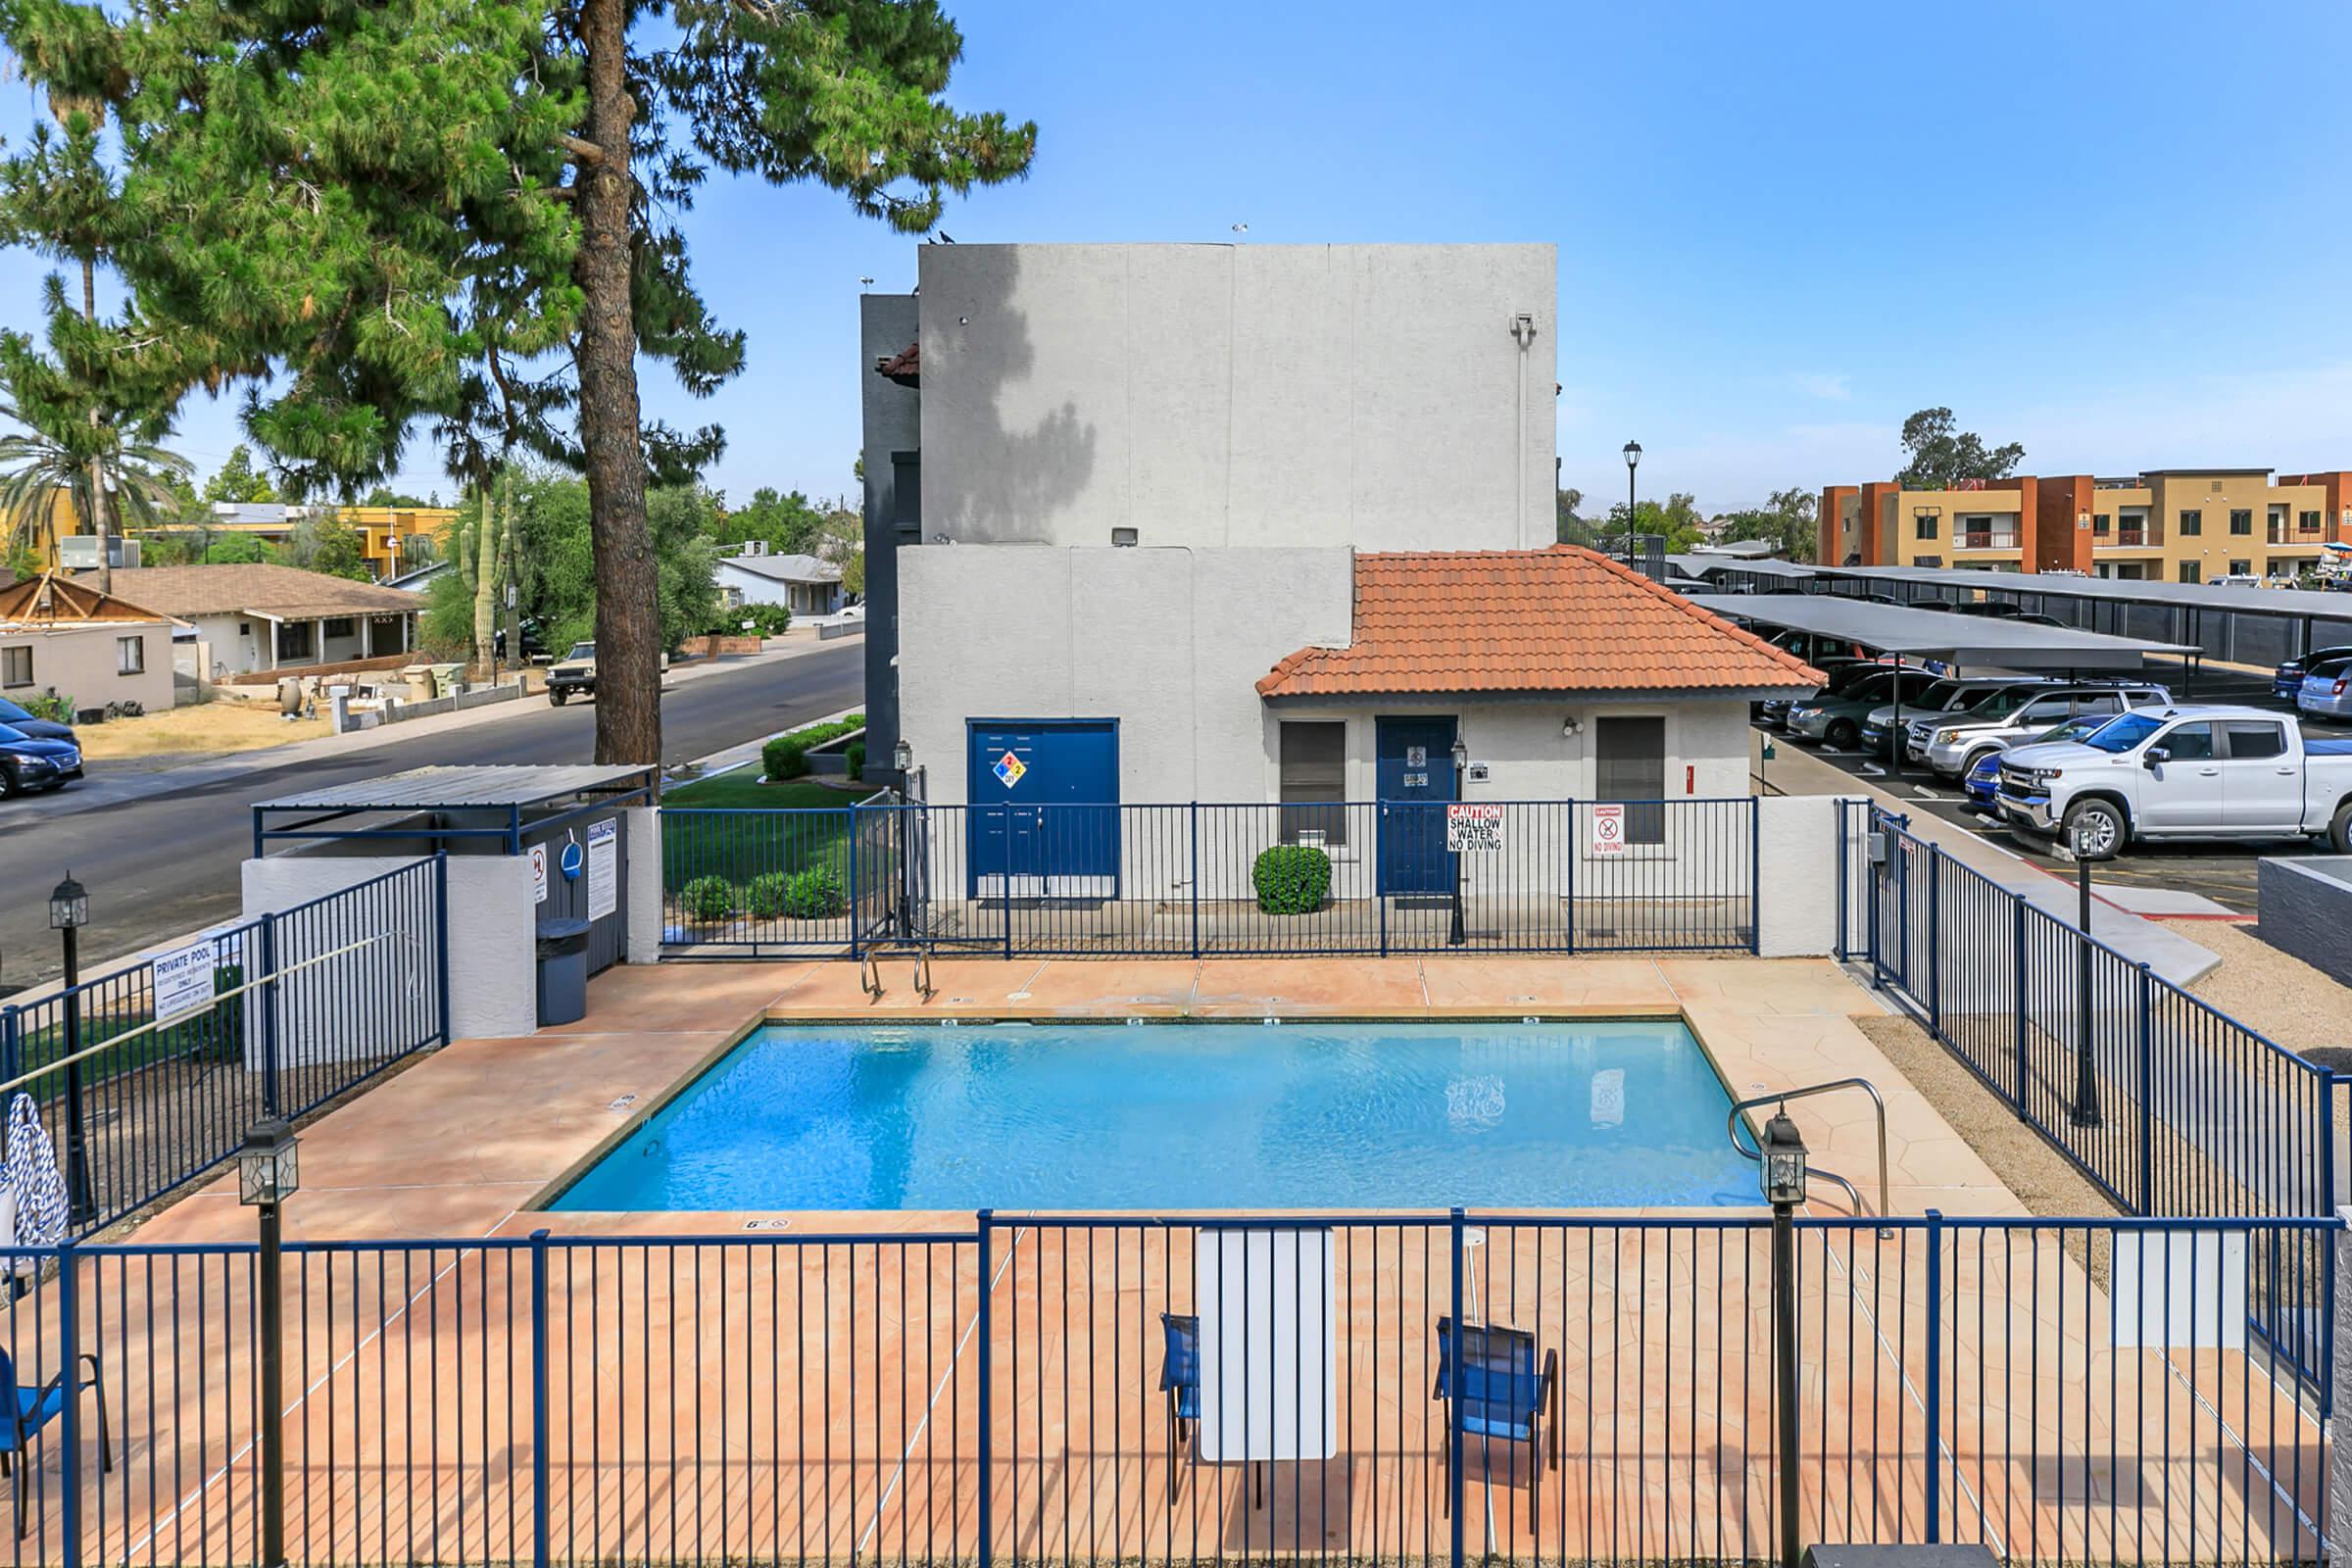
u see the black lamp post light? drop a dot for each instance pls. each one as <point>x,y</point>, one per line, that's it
<point>2083,1110</point>
<point>1633,461</point>
<point>68,913</point>
<point>268,1174</point>
<point>1461,769</point>
<point>1781,1174</point>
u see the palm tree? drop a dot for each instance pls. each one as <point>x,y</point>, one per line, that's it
<point>103,475</point>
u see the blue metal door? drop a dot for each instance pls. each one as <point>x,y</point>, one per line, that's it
<point>1045,818</point>
<point>1413,776</point>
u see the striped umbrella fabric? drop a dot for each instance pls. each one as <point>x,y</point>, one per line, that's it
<point>33,1177</point>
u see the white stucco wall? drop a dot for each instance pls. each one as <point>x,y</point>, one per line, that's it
<point>1223,395</point>
<point>493,979</point>
<point>1169,642</point>
<point>83,664</point>
<point>641,830</point>
<point>1796,859</point>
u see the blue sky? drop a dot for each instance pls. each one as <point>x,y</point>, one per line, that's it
<point>2117,233</point>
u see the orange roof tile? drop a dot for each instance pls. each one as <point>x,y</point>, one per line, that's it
<point>1562,620</point>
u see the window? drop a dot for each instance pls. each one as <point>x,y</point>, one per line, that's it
<point>16,667</point>
<point>130,656</point>
<point>2099,703</point>
<point>2192,522</point>
<point>2098,522</point>
<point>342,626</point>
<point>2241,569</point>
<point>1927,561</point>
<point>2254,740</point>
<point>1630,764</point>
<point>1314,780</point>
<point>2190,743</point>
<point>2308,522</point>
<point>294,640</point>
<point>2193,571</point>
<point>2241,519</point>
<point>1923,527</point>
<point>2043,710</point>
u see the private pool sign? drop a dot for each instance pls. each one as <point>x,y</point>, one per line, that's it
<point>1473,827</point>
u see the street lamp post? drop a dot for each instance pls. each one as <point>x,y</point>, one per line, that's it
<point>267,1176</point>
<point>901,758</point>
<point>1462,769</point>
<point>2084,1111</point>
<point>1782,1175</point>
<point>1633,461</point>
<point>68,913</point>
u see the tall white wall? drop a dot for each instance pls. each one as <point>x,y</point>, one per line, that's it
<point>1169,642</point>
<point>1221,395</point>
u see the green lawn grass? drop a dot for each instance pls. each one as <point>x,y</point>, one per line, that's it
<point>801,823</point>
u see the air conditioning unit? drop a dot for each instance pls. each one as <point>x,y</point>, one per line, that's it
<point>79,552</point>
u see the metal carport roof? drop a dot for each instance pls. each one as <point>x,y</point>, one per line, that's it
<point>1939,634</point>
<point>465,803</point>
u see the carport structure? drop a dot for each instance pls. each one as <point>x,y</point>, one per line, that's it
<point>1908,633</point>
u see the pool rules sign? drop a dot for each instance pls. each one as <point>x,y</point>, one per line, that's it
<point>1472,828</point>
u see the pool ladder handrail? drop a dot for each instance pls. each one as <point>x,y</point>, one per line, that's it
<point>869,968</point>
<point>1782,1097</point>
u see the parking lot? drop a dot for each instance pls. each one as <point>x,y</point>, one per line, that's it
<point>2223,871</point>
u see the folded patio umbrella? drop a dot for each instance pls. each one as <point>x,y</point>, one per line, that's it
<point>34,1181</point>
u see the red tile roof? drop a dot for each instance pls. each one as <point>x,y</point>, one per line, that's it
<point>1562,620</point>
<point>905,367</point>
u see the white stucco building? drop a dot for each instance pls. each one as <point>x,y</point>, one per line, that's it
<point>803,584</point>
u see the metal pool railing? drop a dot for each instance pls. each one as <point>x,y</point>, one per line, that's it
<point>1442,1388</point>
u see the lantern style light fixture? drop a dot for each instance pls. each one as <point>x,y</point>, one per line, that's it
<point>902,754</point>
<point>1633,453</point>
<point>1783,1173</point>
<point>267,1170</point>
<point>69,905</point>
<point>1461,754</point>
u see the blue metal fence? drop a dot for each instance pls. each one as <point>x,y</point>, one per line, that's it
<point>1184,880</point>
<point>305,1005</point>
<point>1435,1387</point>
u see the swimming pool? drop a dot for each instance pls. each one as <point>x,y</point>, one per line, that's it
<point>1195,1115</point>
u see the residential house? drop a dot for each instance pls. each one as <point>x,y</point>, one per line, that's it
<point>2164,525</point>
<point>262,618</point>
<point>61,636</point>
<point>805,585</point>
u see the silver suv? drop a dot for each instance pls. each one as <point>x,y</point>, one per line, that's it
<point>1954,744</point>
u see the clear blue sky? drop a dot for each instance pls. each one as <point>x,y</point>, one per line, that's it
<point>2117,233</point>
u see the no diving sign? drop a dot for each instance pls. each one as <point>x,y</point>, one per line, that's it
<point>1473,827</point>
<point>1609,829</point>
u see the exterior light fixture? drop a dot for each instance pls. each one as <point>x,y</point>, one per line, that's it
<point>1783,1172</point>
<point>69,905</point>
<point>902,754</point>
<point>1633,453</point>
<point>267,1170</point>
<point>1633,461</point>
<point>1461,754</point>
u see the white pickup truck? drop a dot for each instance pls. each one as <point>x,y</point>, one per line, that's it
<point>2182,773</point>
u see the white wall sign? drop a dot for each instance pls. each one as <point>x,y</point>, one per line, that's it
<point>538,874</point>
<point>2184,1289</point>
<point>182,981</point>
<point>1473,827</point>
<point>604,868</point>
<point>1609,829</point>
<point>1269,1345</point>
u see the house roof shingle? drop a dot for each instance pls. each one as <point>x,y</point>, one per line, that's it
<point>1562,620</point>
<point>905,367</point>
<point>786,569</point>
<point>282,592</point>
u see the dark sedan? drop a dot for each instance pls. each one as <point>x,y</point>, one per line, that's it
<point>40,729</point>
<point>2287,679</point>
<point>28,763</point>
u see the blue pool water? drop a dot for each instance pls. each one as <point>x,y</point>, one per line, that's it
<point>1099,1116</point>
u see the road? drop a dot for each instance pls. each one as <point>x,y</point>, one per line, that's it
<point>168,864</point>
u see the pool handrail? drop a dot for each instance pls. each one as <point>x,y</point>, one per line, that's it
<point>1732,1124</point>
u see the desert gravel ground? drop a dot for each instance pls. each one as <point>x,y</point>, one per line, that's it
<point>2295,1005</point>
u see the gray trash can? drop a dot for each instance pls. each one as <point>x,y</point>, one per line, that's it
<point>562,971</point>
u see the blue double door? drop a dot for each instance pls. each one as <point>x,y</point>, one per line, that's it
<point>1044,809</point>
<point>1413,778</point>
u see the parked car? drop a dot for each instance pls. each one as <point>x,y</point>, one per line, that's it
<point>2286,681</point>
<point>1952,693</point>
<point>2327,691</point>
<point>1953,745</point>
<point>40,729</point>
<point>1836,717</point>
<point>2213,772</point>
<point>1983,782</point>
<point>1772,712</point>
<point>31,762</point>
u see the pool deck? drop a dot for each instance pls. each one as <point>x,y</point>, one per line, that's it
<point>719,1399</point>
<point>468,1141</point>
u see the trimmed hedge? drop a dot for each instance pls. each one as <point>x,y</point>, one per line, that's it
<point>855,753</point>
<point>1290,879</point>
<point>707,898</point>
<point>768,620</point>
<point>787,756</point>
<point>816,894</point>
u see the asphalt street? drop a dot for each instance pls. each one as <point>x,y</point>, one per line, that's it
<point>168,863</point>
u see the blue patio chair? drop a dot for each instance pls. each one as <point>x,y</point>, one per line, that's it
<point>1180,1381</point>
<point>25,1412</point>
<point>1503,1396</point>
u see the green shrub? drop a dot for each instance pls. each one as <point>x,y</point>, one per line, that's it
<point>1290,879</point>
<point>763,894</point>
<point>855,753</point>
<point>785,757</point>
<point>766,621</point>
<point>51,704</point>
<point>707,898</point>
<point>816,894</point>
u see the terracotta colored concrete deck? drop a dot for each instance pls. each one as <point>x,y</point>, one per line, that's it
<point>762,1392</point>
